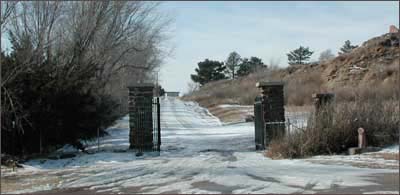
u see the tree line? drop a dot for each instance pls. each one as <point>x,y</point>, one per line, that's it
<point>302,54</point>
<point>235,66</point>
<point>65,78</point>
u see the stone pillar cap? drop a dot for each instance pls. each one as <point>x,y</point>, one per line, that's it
<point>269,83</point>
<point>136,85</point>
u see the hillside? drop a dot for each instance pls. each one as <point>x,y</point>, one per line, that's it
<point>376,61</point>
<point>373,67</point>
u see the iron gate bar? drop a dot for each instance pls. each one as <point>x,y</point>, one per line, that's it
<point>275,123</point>
<point>259,124</point>
<point>159,123</point>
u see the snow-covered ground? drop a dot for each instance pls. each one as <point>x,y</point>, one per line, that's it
<point>235,106</point>
<point>199,155</point>
<point>385,158</point>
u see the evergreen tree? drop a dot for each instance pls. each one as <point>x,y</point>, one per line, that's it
<point>248,66</point>
<point>207,71</point>
<point>347,47</point>
<point>299,56</point>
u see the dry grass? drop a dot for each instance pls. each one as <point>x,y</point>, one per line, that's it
<point>334,129</point>
<point>228,115</point>
<point>16,183</point>
<point>374,65</point>
<point>239,91</point>
<point>382,91</point>
<point>299,89</point>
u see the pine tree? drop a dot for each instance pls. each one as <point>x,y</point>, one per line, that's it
<point>248,66</point>
<point>299,56</point>
<point>347,47</point>
<point>207,71</point>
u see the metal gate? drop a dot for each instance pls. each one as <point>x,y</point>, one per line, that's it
<point>259,124</point>
<point>145,124</point>
<point>156,124</point>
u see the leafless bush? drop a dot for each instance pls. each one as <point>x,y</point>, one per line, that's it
<point>90,50</point>
<point>334,129</point>
<point>192,87</point>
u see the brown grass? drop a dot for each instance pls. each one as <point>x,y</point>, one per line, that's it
<point>239,91</point>
<point>228,115</point>
<point>299,89</point>
<point>334,129</point>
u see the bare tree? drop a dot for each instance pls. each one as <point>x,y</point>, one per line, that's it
<point>7,9</point>
<point>232,63</point>
<point>274,63</point>
<point>326,56</point>
<point>192,87</point>
<point>99,44</point>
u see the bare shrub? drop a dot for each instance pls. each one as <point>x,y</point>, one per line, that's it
<point>285,147</point>
<point>334,129</point>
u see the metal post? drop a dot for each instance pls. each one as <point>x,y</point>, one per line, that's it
<point>98,139</point>
<point>158,123</point>
<point>289,127</point>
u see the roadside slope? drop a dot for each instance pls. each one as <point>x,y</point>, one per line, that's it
<point>373,66</point>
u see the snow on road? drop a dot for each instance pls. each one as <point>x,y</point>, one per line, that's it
<point>199,155</point>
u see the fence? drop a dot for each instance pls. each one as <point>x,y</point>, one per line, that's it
<point>296,121</point>
<point>264,131</point>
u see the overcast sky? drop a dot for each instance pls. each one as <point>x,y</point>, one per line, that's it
<point>267,30</point>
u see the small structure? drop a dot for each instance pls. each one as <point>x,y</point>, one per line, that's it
<point>323,109</point>
<point>172,93</point>
<point>362,143</point>
<point>144,118</point>
<point>362,138</point>
<point>273,110</point>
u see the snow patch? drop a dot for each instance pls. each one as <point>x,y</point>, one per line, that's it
<point>198,155</point>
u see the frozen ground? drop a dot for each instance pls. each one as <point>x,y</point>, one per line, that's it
<point>199,155</point>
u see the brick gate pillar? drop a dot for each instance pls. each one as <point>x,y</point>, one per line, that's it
<point>141,116</point>
<point>273,109</point>
<point>323,109</point>
<point>321,100</point>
